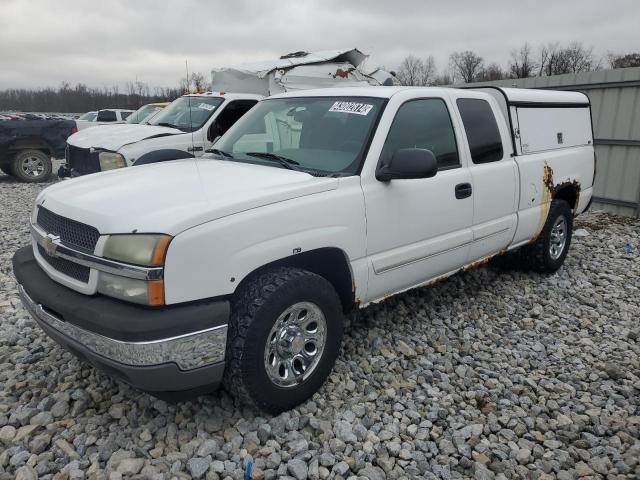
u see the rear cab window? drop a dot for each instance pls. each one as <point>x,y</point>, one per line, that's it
<point>481,127</point>
<point>106,116</point>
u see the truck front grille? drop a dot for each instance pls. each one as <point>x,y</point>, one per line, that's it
<point>72,233</point>
<point>82,160</point>
<point>70,269</point>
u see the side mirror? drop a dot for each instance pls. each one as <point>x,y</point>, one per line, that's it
<point>408,163</point>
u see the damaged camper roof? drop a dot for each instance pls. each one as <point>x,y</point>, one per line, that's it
<point>301,71</point>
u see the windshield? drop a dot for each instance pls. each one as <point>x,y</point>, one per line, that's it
<point>178,115</point>
<point>89,116</point>
<point>320,135</point>
<point>144,112</point>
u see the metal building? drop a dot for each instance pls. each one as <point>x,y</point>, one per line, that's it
<point>615,104</point>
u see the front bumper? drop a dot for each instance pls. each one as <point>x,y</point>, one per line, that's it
<point>173,348</point>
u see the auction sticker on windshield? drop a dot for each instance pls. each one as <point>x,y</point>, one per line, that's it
<point>206,106</point>
<point>351,107</point>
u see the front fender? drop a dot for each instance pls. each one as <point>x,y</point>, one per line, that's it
<point>212,259</point>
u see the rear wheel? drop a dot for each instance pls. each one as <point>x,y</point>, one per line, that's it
<point>31,166</point>
<point>284,337</point>
<point>547,253</point>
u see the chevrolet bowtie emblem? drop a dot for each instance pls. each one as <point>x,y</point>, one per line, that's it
<point>48,244</point>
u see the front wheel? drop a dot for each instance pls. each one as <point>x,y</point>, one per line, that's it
<point>284,337</point>
<point>547,253</point>
<point>31,166</point>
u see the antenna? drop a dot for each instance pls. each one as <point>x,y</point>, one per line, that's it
<point>193,145</point>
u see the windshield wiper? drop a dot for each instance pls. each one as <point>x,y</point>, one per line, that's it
<point>165,124</point>
<point>284,161</point>
<point>222,153</point>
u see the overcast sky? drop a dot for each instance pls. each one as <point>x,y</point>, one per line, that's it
<point>45,42</point>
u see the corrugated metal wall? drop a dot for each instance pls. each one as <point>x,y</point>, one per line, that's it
<point>615,102</point>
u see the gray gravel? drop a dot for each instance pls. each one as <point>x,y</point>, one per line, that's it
<point>491,374</point>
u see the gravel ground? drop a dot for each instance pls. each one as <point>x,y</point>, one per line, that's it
<point>491,374</point>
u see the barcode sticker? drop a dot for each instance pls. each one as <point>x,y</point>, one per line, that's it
<point>351,107</point>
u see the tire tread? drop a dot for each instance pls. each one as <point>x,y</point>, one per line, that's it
<point>251,297</point>
<point>535,254</point>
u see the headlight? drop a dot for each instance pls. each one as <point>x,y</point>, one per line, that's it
<point>111,161</point>
<point>147,292</point>
<point>139,249</point>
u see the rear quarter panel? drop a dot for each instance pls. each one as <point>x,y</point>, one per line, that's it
<point>541,175</point>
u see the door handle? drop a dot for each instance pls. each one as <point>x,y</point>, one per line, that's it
<point>463,190</point>
<point>195,149</point>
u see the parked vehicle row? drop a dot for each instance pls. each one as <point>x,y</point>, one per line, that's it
<point>28,141</point>
<point>238,267</point>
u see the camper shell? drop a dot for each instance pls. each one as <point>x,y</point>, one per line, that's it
<point>542,120</point>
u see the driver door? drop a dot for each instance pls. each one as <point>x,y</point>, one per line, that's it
<point>419,229</point>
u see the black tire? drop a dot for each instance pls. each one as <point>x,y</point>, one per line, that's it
<point>255,309</point>
<point>21,167</point>
<point>538,254</point>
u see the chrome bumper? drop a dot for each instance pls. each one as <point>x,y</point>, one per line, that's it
<point>193,350</point>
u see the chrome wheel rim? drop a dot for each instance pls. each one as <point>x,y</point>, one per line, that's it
<point>558,238</point>
<point>32,166</point>
<point>295,344</point>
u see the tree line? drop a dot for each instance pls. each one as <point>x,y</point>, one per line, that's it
<point>81,98</point>
<point>549,59</point>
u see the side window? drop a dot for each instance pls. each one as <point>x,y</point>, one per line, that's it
<point>423,123</point>
<point>124,115</point>
<point>482,130</point>
<point>230,115</point>
<point>106,116</point>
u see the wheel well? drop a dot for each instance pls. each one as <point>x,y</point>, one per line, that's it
<point>330,263</point>
<point>568,193</point>
<point>31,144</point>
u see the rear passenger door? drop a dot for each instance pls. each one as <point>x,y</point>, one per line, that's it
<point>493,173</point>
<point>418,229</point>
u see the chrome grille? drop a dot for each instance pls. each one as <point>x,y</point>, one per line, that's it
<point>70,269</point>
<point>71,233</point>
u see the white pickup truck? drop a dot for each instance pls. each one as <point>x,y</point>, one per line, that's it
<point>107,116</point>
<point>239,267</point>
<point>184,129</point>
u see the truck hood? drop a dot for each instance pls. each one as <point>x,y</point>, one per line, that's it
<point>114,137</point>
<point>173,196</point>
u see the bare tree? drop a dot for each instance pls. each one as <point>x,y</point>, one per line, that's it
<point>198,81</point>
<point>624,61</point>
<point>131,88</point>
<point>574,58</point>
<point>414,71</point>
<point>185,85</point>
<point>491,73</point>
<point>444,78</point>
<point>522,64</point>
<point>466,65</point>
